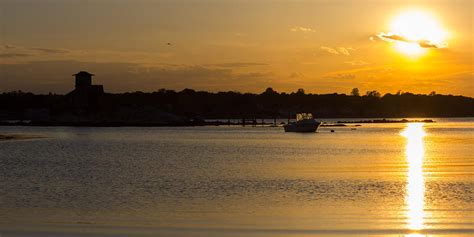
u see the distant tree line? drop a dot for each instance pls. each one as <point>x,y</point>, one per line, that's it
<point>268,104</point>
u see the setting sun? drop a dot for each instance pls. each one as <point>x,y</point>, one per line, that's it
<point>415,31</point>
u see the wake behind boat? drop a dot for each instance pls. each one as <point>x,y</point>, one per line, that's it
<point>304,123</point>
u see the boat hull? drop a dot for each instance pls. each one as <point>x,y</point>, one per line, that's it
<point>302,127</point>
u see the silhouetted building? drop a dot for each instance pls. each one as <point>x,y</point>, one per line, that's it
<point>85,95</point>
<point>83,79</point>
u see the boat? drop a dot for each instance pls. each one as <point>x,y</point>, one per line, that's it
<point>304,123</point>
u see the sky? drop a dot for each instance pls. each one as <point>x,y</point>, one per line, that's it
<point>323,46</point>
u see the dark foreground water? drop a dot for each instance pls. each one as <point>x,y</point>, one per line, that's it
<point>380,179</point>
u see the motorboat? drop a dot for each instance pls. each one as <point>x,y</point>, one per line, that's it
<point>304,123</point>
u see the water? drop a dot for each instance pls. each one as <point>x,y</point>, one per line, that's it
<point>380,179</point>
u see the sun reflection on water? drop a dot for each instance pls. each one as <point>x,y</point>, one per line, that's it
<point>414,134</point>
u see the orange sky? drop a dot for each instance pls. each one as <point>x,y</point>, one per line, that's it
<point>322,46</point>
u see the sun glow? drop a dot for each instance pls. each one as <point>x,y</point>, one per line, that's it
<point>415,151</point>
<point>417,31</point>
<point>410,49</point>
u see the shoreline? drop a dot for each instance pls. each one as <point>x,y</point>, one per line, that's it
<point>9,137</point>
<point>340,123</point>
<point>391,121</point>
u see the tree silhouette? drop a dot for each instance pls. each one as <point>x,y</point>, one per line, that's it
<point>355,92</point>
<point>373,93</point>
<point>192,104</point>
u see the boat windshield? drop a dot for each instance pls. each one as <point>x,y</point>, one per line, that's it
<point>303,116</point>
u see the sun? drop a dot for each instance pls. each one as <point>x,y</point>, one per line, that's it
<point>417,28</point>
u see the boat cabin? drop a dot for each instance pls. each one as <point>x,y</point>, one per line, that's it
<point>304,116</point>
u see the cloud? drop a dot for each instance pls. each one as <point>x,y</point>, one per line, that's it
<point>13,51</point>
<point>424,43</point>
<point>236,64</point>
<point>48,50</point>
<point>13,55</point>
<point>343,50</point>
<point>329,50</point>
<point>337,50</point>
<point>357,62</point>
<point>342,76</point>
<point>429,44</point>
<point>301,29</point>
<point>296,75</point>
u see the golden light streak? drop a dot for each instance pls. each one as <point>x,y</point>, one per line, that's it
<point>415,151</point>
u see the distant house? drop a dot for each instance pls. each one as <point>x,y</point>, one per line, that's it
<point>85,95</point>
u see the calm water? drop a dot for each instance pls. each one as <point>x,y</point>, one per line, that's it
<point>380,179</point>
